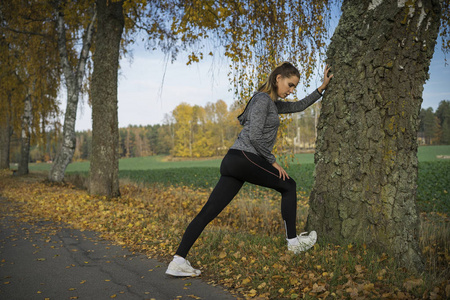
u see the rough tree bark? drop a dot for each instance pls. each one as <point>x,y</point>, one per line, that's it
<point>104,171</point>
<point>25,137</point>
<point>366,157</point>
<point>74,81</point>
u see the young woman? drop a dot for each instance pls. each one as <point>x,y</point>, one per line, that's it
<point>250,159</point>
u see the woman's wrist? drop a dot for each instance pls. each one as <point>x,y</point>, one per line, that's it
<point>321,89</point>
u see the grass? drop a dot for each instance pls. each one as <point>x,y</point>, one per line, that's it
<point>432,192</point>
<point>158,162</point>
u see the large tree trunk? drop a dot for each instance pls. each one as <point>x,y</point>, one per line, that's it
<point>366,158</point>
<point>104,179</point>
<point>25,137</point>
<point>74,80</point>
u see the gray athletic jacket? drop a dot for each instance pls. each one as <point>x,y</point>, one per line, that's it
<point>260,120</point>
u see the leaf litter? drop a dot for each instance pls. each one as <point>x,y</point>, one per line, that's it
<point>245,254</point>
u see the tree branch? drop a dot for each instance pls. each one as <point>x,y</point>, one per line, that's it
<point>84,53</point>
<point>62,48</point>
<point>26,32</point>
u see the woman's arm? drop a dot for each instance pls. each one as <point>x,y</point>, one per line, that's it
<point>286,107</point>
<point>301,105</point>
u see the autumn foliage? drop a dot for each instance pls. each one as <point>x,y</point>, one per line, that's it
<point>243,249</point>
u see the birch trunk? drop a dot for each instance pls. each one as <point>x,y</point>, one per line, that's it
<point>366,157</point>
<point>74,80</point>
<point>25,137</point>
<point>104,172</point>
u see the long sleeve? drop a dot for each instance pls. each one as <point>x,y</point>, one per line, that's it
<point>285,107</point>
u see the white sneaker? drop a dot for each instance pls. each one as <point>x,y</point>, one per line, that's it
<point>182,270</point>
<point>305,242</point>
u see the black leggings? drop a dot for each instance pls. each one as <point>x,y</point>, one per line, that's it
<point>238,167</point>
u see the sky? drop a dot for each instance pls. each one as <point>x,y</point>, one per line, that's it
<point>144,100</point>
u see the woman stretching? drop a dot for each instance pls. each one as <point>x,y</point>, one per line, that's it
<point>250,159</point>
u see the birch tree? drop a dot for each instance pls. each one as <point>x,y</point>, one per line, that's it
<point>82,19</point>
<point>29,77</point>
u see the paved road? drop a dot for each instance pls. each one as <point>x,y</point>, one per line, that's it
<point>37,262</point>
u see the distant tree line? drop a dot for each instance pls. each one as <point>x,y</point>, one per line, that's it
<point>434,128</point>
<point>195,131</point>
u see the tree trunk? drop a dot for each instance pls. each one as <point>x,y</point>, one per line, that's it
<point>74,80</point>
<point>25,138</point>
<point>5,135</point>
<point>366,157</point>
<point>105,126</point>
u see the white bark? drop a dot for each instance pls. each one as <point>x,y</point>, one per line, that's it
<point>74,80</point>
<point>25,137</point>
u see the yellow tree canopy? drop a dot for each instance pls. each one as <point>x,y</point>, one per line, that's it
<point>253,35</point>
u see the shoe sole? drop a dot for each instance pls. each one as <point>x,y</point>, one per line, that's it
<point>181,274</point>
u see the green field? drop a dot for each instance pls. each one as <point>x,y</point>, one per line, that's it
<point>432,192</point>
<point>425,154</point>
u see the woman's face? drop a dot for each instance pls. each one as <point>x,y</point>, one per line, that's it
<point>286,85</point>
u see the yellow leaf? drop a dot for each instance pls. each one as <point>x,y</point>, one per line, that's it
<point>411,283</point>
<point>318,288</point>
<point>262,285</point>
<point>113,296</point>
<point>222,255</point>
<point>246,281</point>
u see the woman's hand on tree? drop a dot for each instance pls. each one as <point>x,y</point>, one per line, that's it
<point>326,79</point>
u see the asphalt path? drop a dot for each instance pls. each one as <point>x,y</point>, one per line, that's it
<point>43,261</point>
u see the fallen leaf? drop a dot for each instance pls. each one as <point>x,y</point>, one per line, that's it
<point>411,283</point>
<point>252,293</point>
<point>262,285</point>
